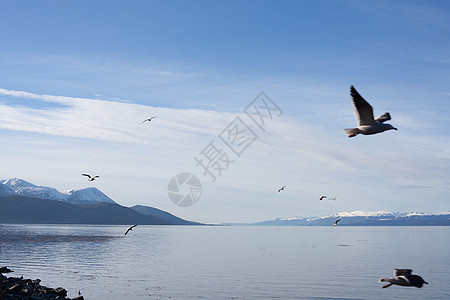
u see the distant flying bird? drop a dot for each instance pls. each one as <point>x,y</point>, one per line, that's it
<point>149,119</point>
<point>130,228</point>
<point>322,197</point>
<point>335,223</point>
<point>364,116</point>
<point>90,178</point>
<point>282,188</point>
<point>404,277</point>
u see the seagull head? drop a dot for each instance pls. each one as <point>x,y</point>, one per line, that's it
<point>388,127</point>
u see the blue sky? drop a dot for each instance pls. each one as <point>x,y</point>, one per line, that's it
<point>78,78</point>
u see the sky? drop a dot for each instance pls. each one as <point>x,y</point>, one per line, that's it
<point>77,79</point>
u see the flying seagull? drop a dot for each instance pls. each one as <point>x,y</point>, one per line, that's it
<point>364,116</point>
<point>130,228</point>
<point>282,188</point>
<point>90,178</point>
<point>149,119</point>
<point>322,197</point>
<point>404,277</point>
<point>335,222</point>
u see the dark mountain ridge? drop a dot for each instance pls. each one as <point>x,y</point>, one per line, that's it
<point>28,210</point>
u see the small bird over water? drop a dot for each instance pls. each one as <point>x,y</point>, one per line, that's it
<point>336,222</point>
<point>130,228</point>
<point>404,277</point>
<point>149,119</point>
<point>90,178</point>
<point>281,188</point>
<point>364,116</point>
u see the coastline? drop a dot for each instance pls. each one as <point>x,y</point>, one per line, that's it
<point>13,288</point>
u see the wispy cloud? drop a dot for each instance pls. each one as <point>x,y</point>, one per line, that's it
<point>311,158</point>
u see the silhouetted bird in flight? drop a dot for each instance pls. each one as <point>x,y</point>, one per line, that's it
<point>404,277</point>
<point>322,197</point>
<point>90,178</point>
<point>364,116</point>
<point>149,119</point>
<point>336,222</point>
<point>282,188</point>
<point>130,228</point>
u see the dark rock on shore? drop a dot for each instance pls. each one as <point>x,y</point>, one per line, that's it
<point>5,270</point>
<point>12,288</point>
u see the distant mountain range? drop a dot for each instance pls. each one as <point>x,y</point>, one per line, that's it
<point>24,203</point>
<point>362,218</point>
<point>16,186</point>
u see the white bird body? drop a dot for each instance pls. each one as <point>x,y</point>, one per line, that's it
<point>367,124</point>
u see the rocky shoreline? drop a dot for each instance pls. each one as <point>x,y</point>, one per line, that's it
<point>12,288</point>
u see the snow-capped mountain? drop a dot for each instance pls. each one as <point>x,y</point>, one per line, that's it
<point>16,186</point>
<point>365,218</point>
<point>89,195</point>
<point>24,188</point>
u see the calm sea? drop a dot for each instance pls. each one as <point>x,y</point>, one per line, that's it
<point>182,262</point>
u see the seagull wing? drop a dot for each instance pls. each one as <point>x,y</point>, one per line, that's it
<point>383,118</point>
<point>362,109</point>
<point>86,175</point>
<point>403,278</point>
<point>130,228</point>
<point>400,272</point>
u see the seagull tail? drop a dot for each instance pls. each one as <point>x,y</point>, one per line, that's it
<point>351,132</point>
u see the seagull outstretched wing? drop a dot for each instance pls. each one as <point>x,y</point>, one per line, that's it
<point>149,119</point>
<point>400,272</point>
<point>130,228</point>
<point>383,118</point>
<point>362,109</point>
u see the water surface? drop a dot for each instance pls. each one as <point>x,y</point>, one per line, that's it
<point>209,262</point>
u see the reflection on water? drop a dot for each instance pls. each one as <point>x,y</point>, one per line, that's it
<point>54,238</point>
<point>201,262</point>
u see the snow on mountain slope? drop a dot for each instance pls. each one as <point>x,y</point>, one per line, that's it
<point>24,188</point>
<point>5,190</point>
<point>366,218</point>
<point>16,186</point>
<point>89,195</point>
